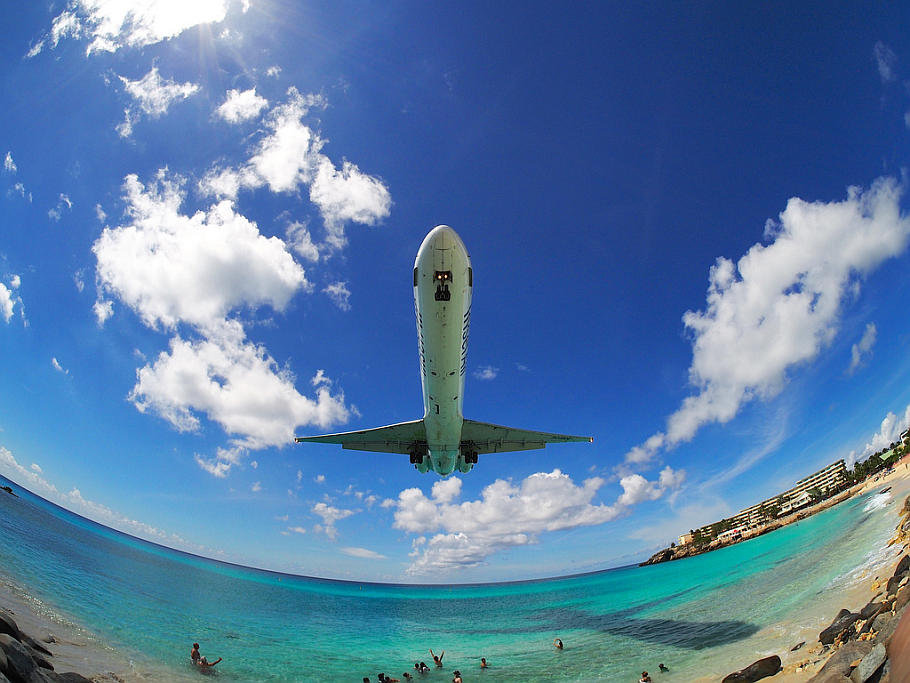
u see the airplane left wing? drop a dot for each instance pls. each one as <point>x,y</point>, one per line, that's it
<point>396,438</point>
<point>490,438</point>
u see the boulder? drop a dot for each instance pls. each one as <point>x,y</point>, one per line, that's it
<point>884,625</point>
<point>755,671</point>
<point>893,584</point>
<point>901,599</point>
<point>797,646</point>
<point>903,566</point>
<point>841,662</point>
<point>869,665</point>
<point>71,677</point>
<point>841,623</point>
<point>20,665</point>
<point>871,610</point>
<point>8,625</point>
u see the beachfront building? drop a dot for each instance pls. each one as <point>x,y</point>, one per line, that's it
<point>818,484</point>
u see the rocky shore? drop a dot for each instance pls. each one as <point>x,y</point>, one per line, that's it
<point>26,660</point>
<point>857,646</point>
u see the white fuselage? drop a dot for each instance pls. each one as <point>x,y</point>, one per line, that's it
<point>443,281</point>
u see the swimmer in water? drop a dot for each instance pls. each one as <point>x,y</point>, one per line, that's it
<point>438,660</point>
<point>558,643</point>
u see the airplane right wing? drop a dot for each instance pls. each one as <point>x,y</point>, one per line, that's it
<point>396,438</point>
<point>490,438</point>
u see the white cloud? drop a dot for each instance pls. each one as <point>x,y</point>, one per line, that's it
<point>37,468</point>
<point>63,202</point>
<point>9,298</point>
<point>486,372</point>
<point>19,189</point>
<point>8,164</point>
<point>113,24</point>
<point>297,529</point>
<point>169,267</point>
<point>58,367</point>
<point>779,305</point>
<point>291,155</point>
<point>329,516</point>
<point>298,236</point>
<point>862,349</point>
<point>507,515</point>
<point>362,553</point>
<point>217,468</point>
<point>256,487</point>
<point>152,96</point>
<point>886,61</point>
<point>236,384</point>
<point>273,71</point>
<point>240,106</point>
<point>339,294</point>
<point>103,310</point>
<point>889,432</point>
<point>319,478</point>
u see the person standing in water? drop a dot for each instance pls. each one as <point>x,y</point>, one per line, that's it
<point>198,659</point>
<point>438,660</point>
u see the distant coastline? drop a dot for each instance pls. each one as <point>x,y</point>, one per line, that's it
<point>677,552</point>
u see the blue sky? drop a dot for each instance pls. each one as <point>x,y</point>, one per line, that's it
<point>688,226</point>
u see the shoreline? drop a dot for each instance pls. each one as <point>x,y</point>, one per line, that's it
<point>75,648</point>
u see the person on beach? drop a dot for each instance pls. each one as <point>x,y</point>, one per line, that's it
<point>423,668</point>
<point>645,678</point>
<point>456,676</point>
<point>438,660</point>
<point>662,668</point>
<point>198,659</point>
<point>558,643</point>
<point>483,662</point>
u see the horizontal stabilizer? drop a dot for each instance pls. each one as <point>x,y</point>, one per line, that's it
<point>490,438</point>
<point>396,438</point>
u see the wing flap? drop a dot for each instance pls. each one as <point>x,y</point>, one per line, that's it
<point>396,438</point>
<point>490,438</point>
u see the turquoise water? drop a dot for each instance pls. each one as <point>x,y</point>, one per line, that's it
<point>151,603</point>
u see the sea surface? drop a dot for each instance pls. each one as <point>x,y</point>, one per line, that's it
<point>703,617</point>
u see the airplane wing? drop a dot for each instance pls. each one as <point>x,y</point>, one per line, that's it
<point>490,438</point>
<point>396,438</point>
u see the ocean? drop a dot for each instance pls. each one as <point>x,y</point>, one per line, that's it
<point>703,617</point>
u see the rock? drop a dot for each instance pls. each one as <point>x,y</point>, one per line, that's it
<point>841,623</point>
<point>8,625</point>
<point>840,662</point>
<point>72,677</point>
<point>830,677</point>
<point>797,646</point>
<point>903,566</point>
<point>901,599</point>
<point>893,584</point>
<point>755,671</point>
<point>884,625</point>
<point>870,610</point>
<point>35,645</point>
<point>20,665</point>
<point>869,665</point>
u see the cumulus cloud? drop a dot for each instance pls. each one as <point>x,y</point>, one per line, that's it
<point>113,24</point>
<point>9,298</point>
<point>889,432</point>
<point>152,96</point>
<point>236,384</point>
<point>201,270</point>
<point>170,267</point>
<point>779,305</point>
<point>886,61</point>
<point>298,236</point>
<point>330,515</point>
<point>486,372</point>
<point>339,294</point>
<point>862,349</point>
<point>240,106</point>
<point>8,164</point>
<point>290,155</point>
<point>507,515</point>
<point>103,310</point>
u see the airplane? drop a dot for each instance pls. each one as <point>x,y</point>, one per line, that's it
<point>443,440</point>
